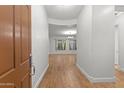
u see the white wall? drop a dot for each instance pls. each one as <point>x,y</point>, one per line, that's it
<point>103,41</point>
<point>96,42</point>
<point>84,38</point>
<point>120,28</point>
<point>40,42</point>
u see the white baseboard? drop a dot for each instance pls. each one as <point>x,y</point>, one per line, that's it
<point>94,79</point>
<point>41,77</point>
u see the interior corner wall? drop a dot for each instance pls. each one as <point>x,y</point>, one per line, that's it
<point>40,42</point>
<point>84,28</point>
<point>96,42</point>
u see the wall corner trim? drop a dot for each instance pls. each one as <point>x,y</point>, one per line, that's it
<point>41,77</point>
<point>94,79</point>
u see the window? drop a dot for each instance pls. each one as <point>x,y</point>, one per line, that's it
<point>72,45</point>
<point>60,44</point>
<point>68,44</point>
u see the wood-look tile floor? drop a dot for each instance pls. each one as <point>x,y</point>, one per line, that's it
<point>63,73</point>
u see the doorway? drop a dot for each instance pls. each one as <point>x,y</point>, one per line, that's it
<point>119,18</point>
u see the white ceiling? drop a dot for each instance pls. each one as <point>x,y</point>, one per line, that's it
<point>63,12</point>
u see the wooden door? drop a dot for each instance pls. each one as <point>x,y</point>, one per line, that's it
<point>25,46</point>
<point>15,46</point>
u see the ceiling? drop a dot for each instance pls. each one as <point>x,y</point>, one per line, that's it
<point>63,12</point>
<point>61,30</point>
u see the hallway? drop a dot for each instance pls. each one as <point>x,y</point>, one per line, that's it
<point>63,73</point>
<point>61,46</point>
